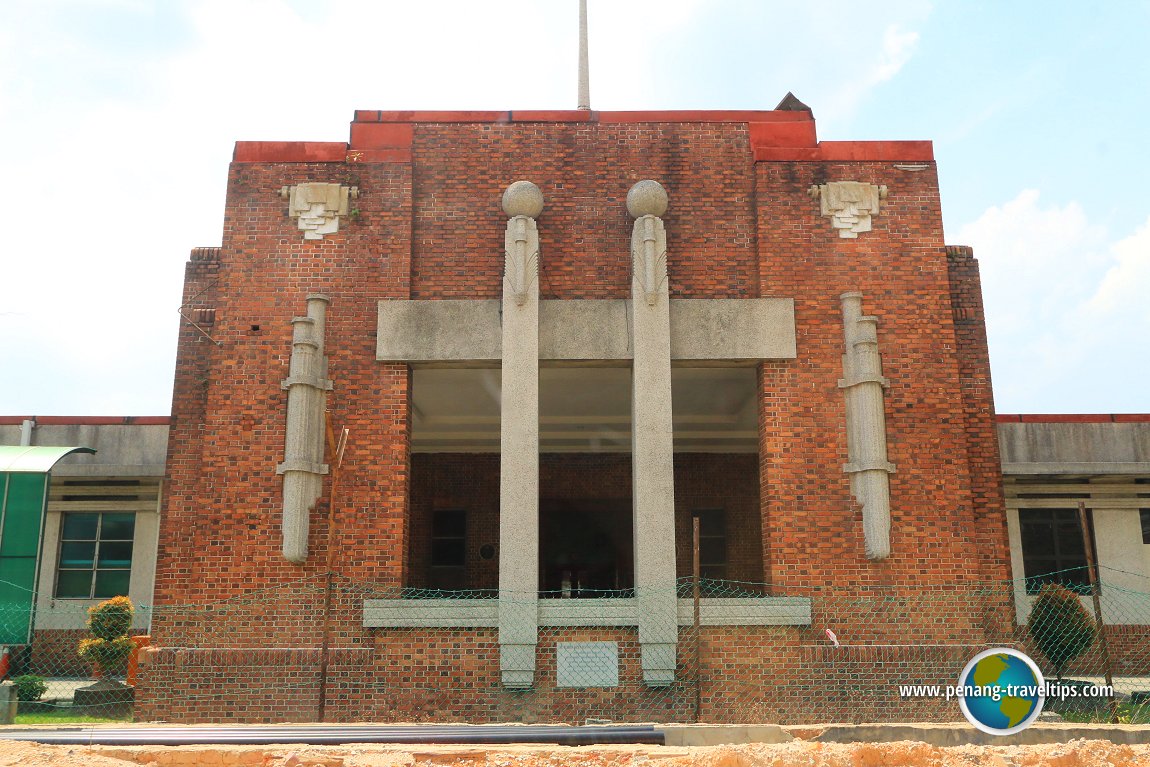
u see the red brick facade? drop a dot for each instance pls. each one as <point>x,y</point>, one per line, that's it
<point>427,225</point>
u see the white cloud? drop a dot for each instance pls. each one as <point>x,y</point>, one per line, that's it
<point>876,56</point>
<point>845,56</point>
<point>1064,309</point>
<point>897,48</point>
<point>1124,288</point>
<point>121,150</point>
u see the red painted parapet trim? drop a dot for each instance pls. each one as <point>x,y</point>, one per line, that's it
<point>706,116</point>
<point>797,133</point>
<point>381,135</point>
<point>553,116</point>
<point>584,115</point>
<point>289,151</point>
<point>776,136</point>
<point>380,142</point>
<point>922,151</point>
<point>1074,418</point>
<point>417,116</point>
<point>87,420</point>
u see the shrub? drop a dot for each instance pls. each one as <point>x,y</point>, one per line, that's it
<point>110,619</point>
<point>30,687</point>
<point>110,654</point>
<point>109,646</point>
<point>1060,626</point>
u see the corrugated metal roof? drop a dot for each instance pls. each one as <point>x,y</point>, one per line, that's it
<point>38,458</point>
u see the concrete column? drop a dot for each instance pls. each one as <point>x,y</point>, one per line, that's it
<point>9,702</point>
<point>652,455</point>
<point>303,467</point>
<point>863,384</point>
<point>519,440</point>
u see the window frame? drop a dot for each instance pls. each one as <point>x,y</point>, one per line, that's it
<point>442,575</point>
<point>1068,567</point>
<point>98,541</point>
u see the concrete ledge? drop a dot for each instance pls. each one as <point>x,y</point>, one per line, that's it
<point>723,734</point>
<point>963,734</point>
<point>747,611</point>
<point>431,613</point>
<point>1117,467</point>
<point>105,470</point>
<point>588,612</point>
<point>484,613</point>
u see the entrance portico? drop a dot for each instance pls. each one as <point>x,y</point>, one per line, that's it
<point>583,354</point>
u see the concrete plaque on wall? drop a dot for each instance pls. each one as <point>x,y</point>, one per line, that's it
<point>587,664</point>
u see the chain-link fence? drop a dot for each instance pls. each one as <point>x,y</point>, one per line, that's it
<point>325,648</point>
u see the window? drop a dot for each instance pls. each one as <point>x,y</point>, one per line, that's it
<point>448,548</point>
<point>712,543</point>
<point>1052,549</point>
<point>95,555</point>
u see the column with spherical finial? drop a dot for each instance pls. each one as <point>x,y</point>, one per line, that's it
<point>519,440</point>
<point>652,455</point>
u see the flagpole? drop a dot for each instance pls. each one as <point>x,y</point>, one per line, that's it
<point>584,70</point>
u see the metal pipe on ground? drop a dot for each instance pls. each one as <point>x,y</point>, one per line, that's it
<point>331,735</point>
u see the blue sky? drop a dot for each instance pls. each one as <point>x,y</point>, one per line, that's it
<point>118,117</point>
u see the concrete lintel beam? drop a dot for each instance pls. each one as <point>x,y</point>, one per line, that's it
<point>702,330</point>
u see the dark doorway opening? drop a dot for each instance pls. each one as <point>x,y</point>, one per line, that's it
<point>586,548</point>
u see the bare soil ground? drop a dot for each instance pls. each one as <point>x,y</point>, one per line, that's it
<point>1077,753</point>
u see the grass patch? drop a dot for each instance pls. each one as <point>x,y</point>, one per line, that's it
<point>1128,713</point>
<point>67,715</point>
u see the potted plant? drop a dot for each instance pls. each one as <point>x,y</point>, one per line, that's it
<point>107,649</point>
<point>109,646</point>
<point>1060,626</point>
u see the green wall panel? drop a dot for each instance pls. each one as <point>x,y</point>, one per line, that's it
<point>22,512</point>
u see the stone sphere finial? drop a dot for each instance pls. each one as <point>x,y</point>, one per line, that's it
<point>523,199</point>
<point>647,198</point>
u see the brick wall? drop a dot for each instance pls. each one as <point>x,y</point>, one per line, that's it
<point>982,454</point>
<point>744,674</point>
<point>584,172</point>
<point>53,653</point>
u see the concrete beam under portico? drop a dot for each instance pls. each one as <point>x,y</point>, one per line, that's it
<point>460,332</point>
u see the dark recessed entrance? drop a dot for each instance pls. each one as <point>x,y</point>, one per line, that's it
<point>585,548</point>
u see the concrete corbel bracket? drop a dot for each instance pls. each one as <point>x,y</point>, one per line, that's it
<point>522,251</point>
<point>649,256</point>
<point>863,384</point>
<point>849,204</point>
<point>318,207</point>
